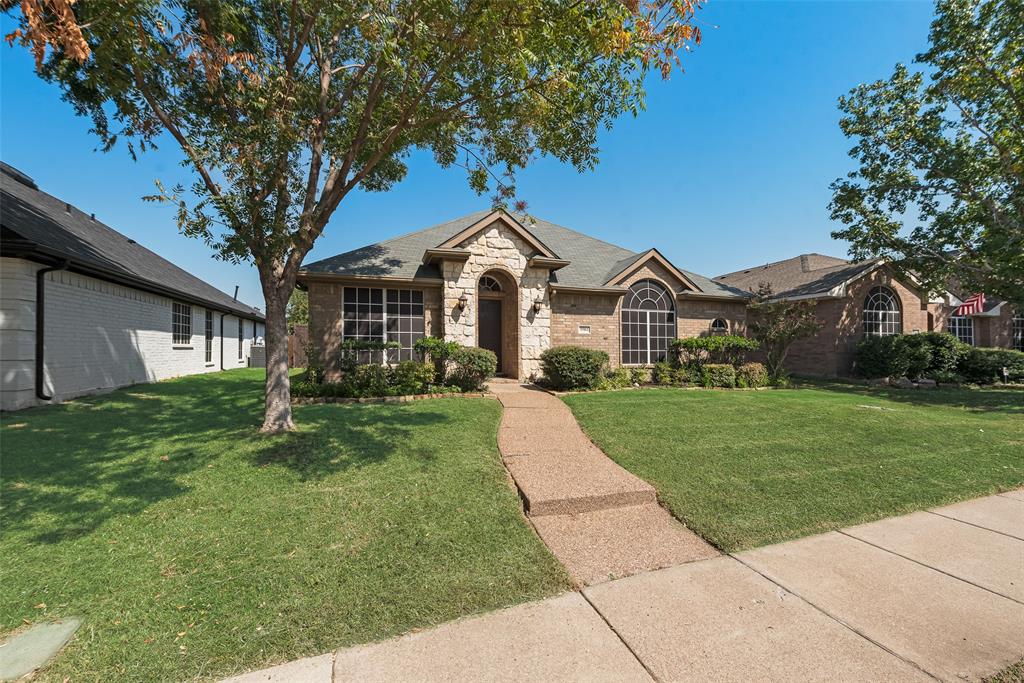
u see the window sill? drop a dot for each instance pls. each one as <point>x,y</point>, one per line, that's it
<point>210,365</point>
<point>182,347</point>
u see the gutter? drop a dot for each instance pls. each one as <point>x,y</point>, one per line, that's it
<point>41,326</point>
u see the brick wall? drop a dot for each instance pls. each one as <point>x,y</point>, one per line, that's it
<point>99,336</point>
<point>831,352</point>
<point>325,321</point>
<point>570,312</point>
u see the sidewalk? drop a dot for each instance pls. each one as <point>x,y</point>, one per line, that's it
<point>935,595</point>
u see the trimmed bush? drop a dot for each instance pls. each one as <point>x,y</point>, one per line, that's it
<point>572,367</point>
<point>412,377</point>
<point>663,373</point>
<point>695,351</point>
<point>619,378</point>
<point>882,357</point>
<point>470,367</point>
<point>751,375</point>
<point>985,366</point>
<point>718,375</point>
<point>436,351</point>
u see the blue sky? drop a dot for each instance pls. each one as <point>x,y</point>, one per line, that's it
<point>728,167</point>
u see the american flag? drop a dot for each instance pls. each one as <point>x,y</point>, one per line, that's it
<point>971,305</point>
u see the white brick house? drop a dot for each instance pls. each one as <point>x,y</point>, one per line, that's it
<point>113,313</point>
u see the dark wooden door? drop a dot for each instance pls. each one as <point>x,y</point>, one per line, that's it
<point>490,326</point>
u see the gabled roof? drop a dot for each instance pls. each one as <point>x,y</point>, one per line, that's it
<point>37,224</point>
<point>591,262</point>
<point>805,276</point>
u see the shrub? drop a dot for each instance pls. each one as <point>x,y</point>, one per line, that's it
<point>695,351</point>
<point>751,375</point>
<point>946,350</point>
<point>718,375</point>
<point>984,366</point>
<point>881,357</point>
<point>639,375</point>
<point>946,377</point>
<point>436,351</point>
<point>619,378</point>
<point>369,380</point>
<point>663,373</point>
<point>470,367</point>
<point>412,377</point>
<point>572,367</point>
<point>355,353</point>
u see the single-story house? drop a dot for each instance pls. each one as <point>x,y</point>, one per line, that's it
<point>861,298</point>
<point>84,308</point>
<point>514,286</point>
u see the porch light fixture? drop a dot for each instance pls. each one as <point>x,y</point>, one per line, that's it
<point>538,304</point>
<point>463,300</point>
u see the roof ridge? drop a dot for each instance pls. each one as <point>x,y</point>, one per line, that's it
<point>798,257</point>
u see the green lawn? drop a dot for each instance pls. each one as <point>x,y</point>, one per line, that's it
<point>745,469</point>
<point>194,548</point>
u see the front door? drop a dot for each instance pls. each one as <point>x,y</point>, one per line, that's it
<point>490,326</point>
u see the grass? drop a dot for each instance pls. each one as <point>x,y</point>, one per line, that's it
<point>1011,674</point>
<point>744,469</point>
<point>195,548</point>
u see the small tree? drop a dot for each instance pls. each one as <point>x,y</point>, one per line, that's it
<point>777,323</point>
<point>282,108</point>
<point>298,309</point>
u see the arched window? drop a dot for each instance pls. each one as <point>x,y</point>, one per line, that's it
<point>881,313</point>
<point>648,323</point>
<point>489,284</point>
<point>719,326</point>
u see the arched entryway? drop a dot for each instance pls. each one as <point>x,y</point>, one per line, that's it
<point>497,322</point>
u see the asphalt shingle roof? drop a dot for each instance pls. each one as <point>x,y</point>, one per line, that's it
<point>57,229</point>
<point>805,275</point>
<point>591,261</point>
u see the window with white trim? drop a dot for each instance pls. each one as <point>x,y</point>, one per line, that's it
<point>209,335</point>
<point>241,336</point>
<point>1018,332</point>
<point>719,326</point>
<point>961,327</point>
<point>374,314</point>
<point>648,323</point>
<point>882,313</point>
<point>181,323</point>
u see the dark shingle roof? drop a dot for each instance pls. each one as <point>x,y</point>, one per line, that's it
<point>44,224</point>
<point>591,261</point>
<point>807,275</point>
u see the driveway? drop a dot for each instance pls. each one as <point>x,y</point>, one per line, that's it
<point>936,595</point>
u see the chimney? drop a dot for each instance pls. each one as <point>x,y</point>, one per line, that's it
<point>235,297</point>
<point>805,266</point>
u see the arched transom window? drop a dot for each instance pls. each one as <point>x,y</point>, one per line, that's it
<point>648,323</point>
<point>881,313</point>
<point>489,284</point>
<point>719,326</point>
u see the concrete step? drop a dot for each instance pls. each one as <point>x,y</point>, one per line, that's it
<point>571,484</point>
<point>607,544</point>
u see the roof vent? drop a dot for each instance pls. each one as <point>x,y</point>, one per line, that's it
<point>17,175</point>
<point>67,208</point>
<point>92,216</point>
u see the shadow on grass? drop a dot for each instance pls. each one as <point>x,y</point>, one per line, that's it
<point>68,469</point>
<point>335,438</point>
<point>991,399</point>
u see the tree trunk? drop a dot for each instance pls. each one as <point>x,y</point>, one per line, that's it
<point>278,411</point>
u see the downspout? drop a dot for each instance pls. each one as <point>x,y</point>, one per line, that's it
<point>40,325</point>
<point>222,340</point>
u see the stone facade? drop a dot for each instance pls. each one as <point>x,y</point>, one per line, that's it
<point>498,248</point>
<point>100,336</point>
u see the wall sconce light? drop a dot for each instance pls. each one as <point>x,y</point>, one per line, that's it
<point>538,304</point>
<point>463,300</point>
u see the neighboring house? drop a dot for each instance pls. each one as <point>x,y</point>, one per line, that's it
<point>516,287</point>
<point>856,299</point>
<point>84,308</point>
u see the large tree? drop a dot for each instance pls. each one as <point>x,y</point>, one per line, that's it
<point>940,150</point>
<point>284,107</point>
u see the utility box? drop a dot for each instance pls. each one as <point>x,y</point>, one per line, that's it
<point>257,356</point>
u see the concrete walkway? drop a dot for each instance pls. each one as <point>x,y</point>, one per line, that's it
<point>599,520</point>
<point>929,596</point>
